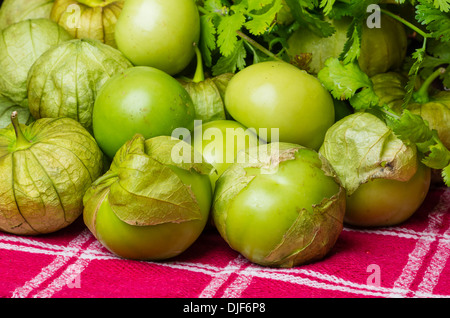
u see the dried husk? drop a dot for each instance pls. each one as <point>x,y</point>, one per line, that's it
<point>315,230</point>
<point>88,19</point>
<point>21,44</point>
<point>13,11</point>
<point>45,175</point>
<point>361,147</point>
<point>65,80</point>
<point>437,113</point>
<point>141,187</point>
<point>208,96</point>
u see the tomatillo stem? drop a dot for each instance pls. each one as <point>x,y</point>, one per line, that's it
<point>199,75</point>
<point>257,45</point>
<point>96,3</point>
<point>422,96</point>
<point>21,140</point>
<point>405,22</point>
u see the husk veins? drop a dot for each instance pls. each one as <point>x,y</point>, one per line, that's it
<point>142,188</point>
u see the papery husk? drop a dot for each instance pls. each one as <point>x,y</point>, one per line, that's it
<point>382,49</point>
<point>65,80</point>
<point>390,88</point>
<point>313,234</point>
<point>7,107</point>
<point>13,11</point>
<point>208,96</point>
<point>361,147</point>
<point>141,186</point>
<point>88,19</point>
<point>316,229</point>
<point>43,181</point>
<point>21,44</point>
<point>437,113</point>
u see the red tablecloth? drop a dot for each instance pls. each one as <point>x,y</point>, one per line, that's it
<point>411,260</point>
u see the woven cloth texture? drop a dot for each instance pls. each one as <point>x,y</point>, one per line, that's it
<point>409,260</point>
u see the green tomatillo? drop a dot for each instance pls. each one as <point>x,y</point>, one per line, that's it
<point>384,180</point>
<point>282,207</point>
<point>45,169</point>
<point>142,100</point>
<point>283,99</point>
<point>159,33</point>
<point>220,141</point>
<point>154,201</point>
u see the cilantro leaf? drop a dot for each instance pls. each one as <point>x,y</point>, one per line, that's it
<point>207,38</point>
<point>327,6</point>
<point>306,19</point>
<point>412,128</point>
<point>352,47</point>
<point>446,175</point>
<point>232,62</point>
<point>437,22</point>
<point>419,56</point>
<point>227,38</point>
<point>260,23</point>
<point>348,82</point>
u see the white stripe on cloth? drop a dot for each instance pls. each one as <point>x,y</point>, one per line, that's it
<point>423,246</point>
<point>60,261</point>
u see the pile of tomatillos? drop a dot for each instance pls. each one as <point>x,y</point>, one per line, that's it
<point>274,123</point>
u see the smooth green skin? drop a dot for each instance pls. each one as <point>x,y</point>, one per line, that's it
<point>279,95</point>
<point>141,100</point>
<point>159,33</point>
<point>382,202</point>
<point>218,156</point>
<point>157,242</point>
<point>262,213</point>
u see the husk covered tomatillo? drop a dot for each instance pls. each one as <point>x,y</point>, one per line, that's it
<point>384,180</point>
<point>21,44</point>
<point>13,11</point>
<point>433,105</point>
<point>382,49</point>
<point>153,202</point>
<point>45,169</point>
<point>65,80</point>
<point>91,19</point>
<point>207,93</point>
<point>279,205</point>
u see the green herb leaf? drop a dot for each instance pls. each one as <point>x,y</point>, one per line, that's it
<point>348,82</point>
<point>435,17</point>
<point>232,62</point>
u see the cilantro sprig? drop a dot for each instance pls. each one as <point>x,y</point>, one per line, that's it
<point>349,82</point>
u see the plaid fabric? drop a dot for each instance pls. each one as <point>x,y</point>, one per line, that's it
<point>410,260</point>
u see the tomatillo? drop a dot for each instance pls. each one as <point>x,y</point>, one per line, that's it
<point>284,207</point>
<point>219,142</point>
<point>277,95</point>
<point>141,100</point>
<point>384,181</point>
<point>150,205</point>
